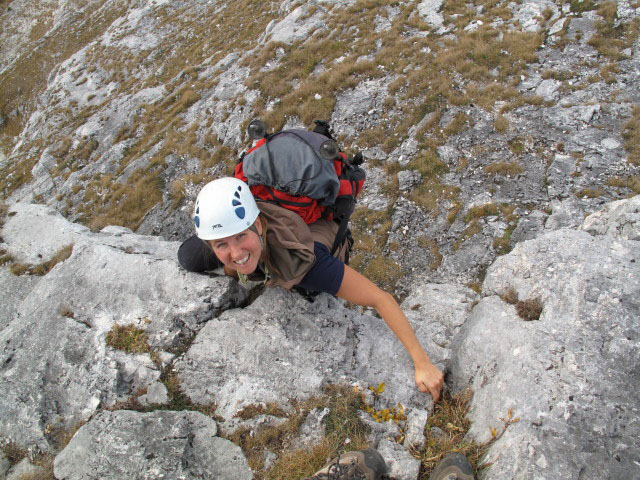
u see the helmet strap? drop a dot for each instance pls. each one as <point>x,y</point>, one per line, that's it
<point>253,228</point>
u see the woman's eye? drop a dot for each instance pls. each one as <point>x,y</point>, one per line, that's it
<point>219,246</point>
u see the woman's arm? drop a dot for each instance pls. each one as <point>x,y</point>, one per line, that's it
<point>358,289</point>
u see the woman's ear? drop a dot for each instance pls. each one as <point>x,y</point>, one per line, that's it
<point>259,226</point>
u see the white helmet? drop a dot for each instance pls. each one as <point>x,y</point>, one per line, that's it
<point>224,207</point>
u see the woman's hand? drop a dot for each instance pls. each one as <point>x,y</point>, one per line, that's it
<point>429,380</point>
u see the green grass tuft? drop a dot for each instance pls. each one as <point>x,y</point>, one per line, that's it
<point>128,338</point>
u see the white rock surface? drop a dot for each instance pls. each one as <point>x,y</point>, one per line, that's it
<point>55,366</point>
<point>162,444</point>
<point>570,376</point>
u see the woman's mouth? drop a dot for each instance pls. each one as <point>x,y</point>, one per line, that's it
<point>242,261</point>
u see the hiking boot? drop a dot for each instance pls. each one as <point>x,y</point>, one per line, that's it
<point>454,466</point>
<point>359,465</point>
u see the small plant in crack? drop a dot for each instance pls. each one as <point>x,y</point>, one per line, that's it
<point>528,310</point>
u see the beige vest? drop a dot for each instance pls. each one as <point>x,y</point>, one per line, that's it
<point>290,244</point>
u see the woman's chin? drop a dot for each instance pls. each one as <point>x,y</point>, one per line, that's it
<point>247,268</point>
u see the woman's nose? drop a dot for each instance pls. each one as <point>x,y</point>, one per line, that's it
<point>236,251</point>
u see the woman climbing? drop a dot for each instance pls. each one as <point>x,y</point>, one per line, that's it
<point>265,242</point>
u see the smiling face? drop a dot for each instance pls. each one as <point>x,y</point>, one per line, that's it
<point>240,252</point>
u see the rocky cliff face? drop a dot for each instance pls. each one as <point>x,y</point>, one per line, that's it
<point>489,128</point>
<point>569,374</point>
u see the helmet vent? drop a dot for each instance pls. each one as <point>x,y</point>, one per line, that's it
<point>240,211</point>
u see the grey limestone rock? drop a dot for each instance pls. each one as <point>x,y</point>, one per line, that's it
<point>620,219</point>
<point>379,431</point>
<point>312,430</point>
<point>568,213</point>
<point>529,13</point>
<point>416,422</point>
<point>162,444</point>
<point>548,89</point>
<point>559,174</point>
<point>436,313</point>
<point>15,289</point>
<point>34,233</point>
<point>570,376</point>
<point>5,464</point>
<point>25,470</point>
<point>360,107</point>
<point>582,28</point>
<point>284,348</point>
<point>529,227</point>
<point>429,10</point>
<point>55,366</point>
<point>373,197</point>
<point>156,395</point>
<point>401,465</point>
<point>407,179</point>
<point>297,25</point>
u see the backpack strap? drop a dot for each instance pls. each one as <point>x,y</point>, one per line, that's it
<point>344,207</point>
<point>323,128</point>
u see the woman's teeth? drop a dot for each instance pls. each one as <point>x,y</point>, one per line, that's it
<point>242,261</point>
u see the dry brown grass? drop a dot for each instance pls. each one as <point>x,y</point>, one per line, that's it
<point>429,195</point>
<point>432,246</point>
<point>254,410</point>
<point>450,419</point>
<point>460,122</point>
<point>632,183</point>
<point>590,192</point>
<point>428,164</point>
<point>302,463</point>
<point>452,214</point>
<point>486,210</point>
<point>501,124</point>
<point>5,258</point>
<point>66,311</point>
<point>631,136</point>
<point>612,36</point>
<point>124,204</point>
<point>475,67</point>
<point>16,174</point>
<point>58,436</point>
<point>529,309</point>
<point>384,272</point>
<point>160,126</point>
<point>24,79</point>
<point>487,58</point>
<point>474,214</point>
<point>516,145</point>
<point>341,423</point>
<point>502,245</point>
<point>45,267</point>
<point>370,232</point>
<point>506,169</point>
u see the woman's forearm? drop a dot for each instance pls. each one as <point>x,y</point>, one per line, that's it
<point>395,319</point>
<point>360,290</point>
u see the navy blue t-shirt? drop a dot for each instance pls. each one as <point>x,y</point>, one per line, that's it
<point>326,274</point>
